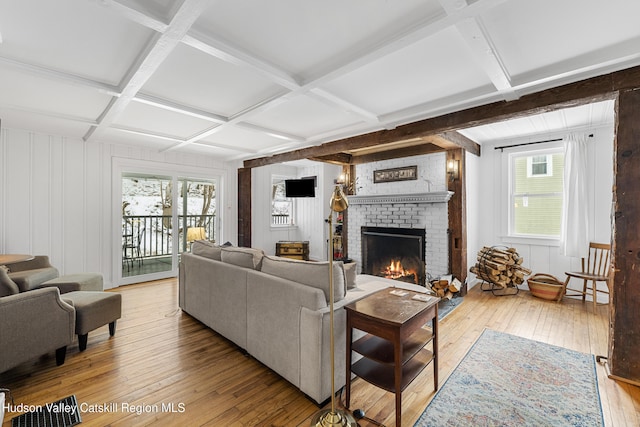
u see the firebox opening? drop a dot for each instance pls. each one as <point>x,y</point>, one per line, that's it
<point>394,253</point>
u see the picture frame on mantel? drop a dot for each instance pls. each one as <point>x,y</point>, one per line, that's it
<point>405,173</point>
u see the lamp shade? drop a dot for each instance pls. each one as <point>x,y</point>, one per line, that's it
<point>195,233</point>
<point>338,202</point>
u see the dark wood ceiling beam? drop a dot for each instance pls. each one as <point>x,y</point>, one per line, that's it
<point>336,158</point>
<point>570,95</point>
<point>414,150</point>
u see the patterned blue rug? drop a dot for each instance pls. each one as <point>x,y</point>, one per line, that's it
<point>505,380</point>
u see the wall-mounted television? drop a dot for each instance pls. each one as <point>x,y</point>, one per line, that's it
<point>303,187</point>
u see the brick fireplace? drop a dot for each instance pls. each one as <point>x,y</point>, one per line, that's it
<point>394,253</point>
<point>420,211</point>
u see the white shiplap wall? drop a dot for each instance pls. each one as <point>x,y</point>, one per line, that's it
<point>56,197</point>
<point>310,212</point>
<point>485,202</point>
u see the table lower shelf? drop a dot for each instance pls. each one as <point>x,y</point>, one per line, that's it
<point>383,375</point>
<point>381,350</point>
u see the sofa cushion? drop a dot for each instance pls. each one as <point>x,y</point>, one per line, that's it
<point>315,274</point>
<point>206,249</point>
<point>243,257</point>
<point>350,273</point>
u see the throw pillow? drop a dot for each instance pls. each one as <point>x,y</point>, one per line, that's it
<point>315,274</point>
<point>243,257</point>
<point>350,272</point>
<point>206,249</point>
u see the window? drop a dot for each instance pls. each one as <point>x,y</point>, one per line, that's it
<point>536,193</point>
<point>281,206</point>
<point>540,165</point>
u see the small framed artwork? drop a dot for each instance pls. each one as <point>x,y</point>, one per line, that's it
<point>405,173</point>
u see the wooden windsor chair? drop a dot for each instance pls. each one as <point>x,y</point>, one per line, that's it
<point>595,269</point>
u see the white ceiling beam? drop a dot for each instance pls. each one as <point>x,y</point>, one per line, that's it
<point>145,133</point>
<point>137,16</point>
<point>163,137</point>
<point>621,55</point>
<point>51,114</point>
<point>149,62</point>
<point>483,50</point>
<point>179,108</point>
<point>51,74</point>
<point>405,38</point>
<point>481,47</point>
<point>225,52</point>
<point>276,134</point>
<point>335,101</point>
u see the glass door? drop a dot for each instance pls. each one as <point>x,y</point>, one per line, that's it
<point>147,224</point>
<point>161,217</point>
<point>196,211</point>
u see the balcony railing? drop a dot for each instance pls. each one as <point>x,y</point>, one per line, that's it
<point>280,219</point>
<point>148,236</point>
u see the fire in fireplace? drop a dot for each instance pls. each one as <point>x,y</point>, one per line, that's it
<point>394,253</point>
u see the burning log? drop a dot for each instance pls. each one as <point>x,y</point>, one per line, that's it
<point>503,268</point>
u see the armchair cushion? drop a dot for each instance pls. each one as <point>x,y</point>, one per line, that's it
<point>30,274</point>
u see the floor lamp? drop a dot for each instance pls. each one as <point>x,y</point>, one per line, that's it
<point>333,417</point>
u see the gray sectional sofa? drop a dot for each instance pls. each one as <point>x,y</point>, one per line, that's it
<point>276,309</point>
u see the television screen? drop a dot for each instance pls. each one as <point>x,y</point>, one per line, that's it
<point>304,187</point>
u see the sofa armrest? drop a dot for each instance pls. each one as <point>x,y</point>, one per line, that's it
<point>34,323</point>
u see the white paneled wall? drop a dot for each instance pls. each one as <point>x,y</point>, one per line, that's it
<point>310,212</point>
<point>57,197</point>
<point>486,212</point>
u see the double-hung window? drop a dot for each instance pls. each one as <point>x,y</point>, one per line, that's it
<point>281,206</point>
<point>536,193</point>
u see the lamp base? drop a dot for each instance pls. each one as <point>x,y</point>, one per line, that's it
<point>329,418</point>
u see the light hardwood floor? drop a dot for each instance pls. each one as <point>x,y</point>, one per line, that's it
<point>161,356</point>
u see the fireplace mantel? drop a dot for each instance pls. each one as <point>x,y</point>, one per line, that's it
<point>376,199</point>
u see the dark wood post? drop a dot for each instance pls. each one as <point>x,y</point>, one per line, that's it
<point>244,207</point>
<point>457,216</point>
<point>624,339</point>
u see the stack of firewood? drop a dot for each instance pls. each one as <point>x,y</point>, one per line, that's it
<point>502,267</point>
<point>444,288</point>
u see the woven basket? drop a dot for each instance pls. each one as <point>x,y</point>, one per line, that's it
<point>545,286</point>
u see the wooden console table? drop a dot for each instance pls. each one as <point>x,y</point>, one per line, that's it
<point>394,347</point>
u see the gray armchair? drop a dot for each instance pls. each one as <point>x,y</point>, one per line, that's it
<point>30,274</point>
<point>33,323</point>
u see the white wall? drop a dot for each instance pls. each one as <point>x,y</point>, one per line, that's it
<point>486,216</point>
<point>310,212</point>
<point>56,197</point>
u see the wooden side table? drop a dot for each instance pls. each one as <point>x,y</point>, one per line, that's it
<point>394,347</point>
<point>6,259</point>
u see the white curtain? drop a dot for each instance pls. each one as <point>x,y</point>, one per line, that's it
<point>574,240</point>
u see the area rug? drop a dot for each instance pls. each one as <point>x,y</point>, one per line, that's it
<point>505,380</point>
<point>63,413</point>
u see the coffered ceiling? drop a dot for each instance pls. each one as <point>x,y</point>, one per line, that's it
<point>246,79</point>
